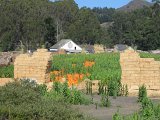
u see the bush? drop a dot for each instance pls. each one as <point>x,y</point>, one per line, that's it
<point>16,93</point>
<point>25,100</point>
<point>147,108</point>
<point>142,93</point>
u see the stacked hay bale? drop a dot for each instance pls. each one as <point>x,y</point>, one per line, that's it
<point>137,71</point>
<point>99,48</point>
<point>35,67</point>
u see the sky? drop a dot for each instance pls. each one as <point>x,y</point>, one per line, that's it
<point>102,3</point>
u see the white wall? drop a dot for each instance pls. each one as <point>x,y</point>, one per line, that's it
<point>72,48</point>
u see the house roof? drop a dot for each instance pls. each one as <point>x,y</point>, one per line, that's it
<point>60,44</point>
<point>121,47</point>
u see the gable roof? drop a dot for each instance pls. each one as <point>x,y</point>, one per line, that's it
<point>60,44</point>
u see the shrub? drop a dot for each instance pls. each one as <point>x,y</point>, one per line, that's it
<point>142,93</point>
<point>25,100</point>
<point>16,93</point>
<point>147,108</point>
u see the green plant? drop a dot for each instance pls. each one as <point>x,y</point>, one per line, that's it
<point>89,87</point>
<point>100,88</point>
<point>57,87</point>
<point>52,77</point>
<point>117,116</point>
<point>113,88</point>
<point>105,99</point>
<point>142,93</point>
<point>106,67</point>
<point>7,71</point>
<point>75,97</point>
<point>70,95</point>
<point>43,89</point>
<point>148,111</point>
<point>23,100</point>
<point>65,90</point>
<point>147,108</point>
<point>126,90</point>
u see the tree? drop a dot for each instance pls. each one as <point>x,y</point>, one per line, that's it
<point>49,36</point>
<point>156,1</point>
<point>104,14</point>
<point>86,28</point>
<point>138,28</point>
<point>64,12</point>
<point>23,21</point>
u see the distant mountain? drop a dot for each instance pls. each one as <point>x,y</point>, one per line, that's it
<point>134,4</point>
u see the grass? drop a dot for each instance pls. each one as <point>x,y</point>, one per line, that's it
<point>149,55</point>
<point>7,71</point>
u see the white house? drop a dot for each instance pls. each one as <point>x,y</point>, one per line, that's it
<point>66,44</point>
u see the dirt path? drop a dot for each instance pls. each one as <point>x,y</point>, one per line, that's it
<point>125,106</point>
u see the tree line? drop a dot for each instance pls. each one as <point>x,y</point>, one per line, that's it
<point>29,24</point>
<point>139,28</point>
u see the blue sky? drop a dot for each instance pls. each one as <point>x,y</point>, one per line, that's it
<point>102,3</point>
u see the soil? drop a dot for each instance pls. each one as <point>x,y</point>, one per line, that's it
<point>124,105</point>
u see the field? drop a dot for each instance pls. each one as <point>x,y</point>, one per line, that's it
<point>75,68</point>
<point>102,67</point>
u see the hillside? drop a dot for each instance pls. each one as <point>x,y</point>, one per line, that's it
<point>135,4</point>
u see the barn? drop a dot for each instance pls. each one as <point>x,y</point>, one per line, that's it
<point>66,44</point>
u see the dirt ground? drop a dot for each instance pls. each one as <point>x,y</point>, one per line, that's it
<point>125,106</point>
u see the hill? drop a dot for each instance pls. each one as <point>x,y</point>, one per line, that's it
<point>135,4</point>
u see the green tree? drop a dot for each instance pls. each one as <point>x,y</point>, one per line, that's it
<point>86,28</point>
<point>23,21</point>
<point>157,1</point>
<point>138,28</point>
<point>64,12</point>
<point>104,14</point>
<point>49,36</point>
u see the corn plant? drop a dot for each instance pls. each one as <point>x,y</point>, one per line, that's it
<point>89,87</point>
<point>126,90</point>
<point>105,100</point>
<point>101,88</point>
<point>142,93</point>
<point>123,90</point>
<point>106,66</point>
